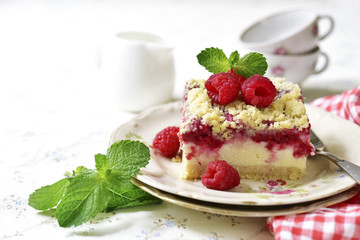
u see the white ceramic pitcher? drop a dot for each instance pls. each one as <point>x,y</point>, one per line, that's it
<point>138,70</point>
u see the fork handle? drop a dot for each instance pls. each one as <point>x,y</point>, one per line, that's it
<point>351,169</point>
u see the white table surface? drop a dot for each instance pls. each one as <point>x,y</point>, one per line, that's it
<point>56,115</point>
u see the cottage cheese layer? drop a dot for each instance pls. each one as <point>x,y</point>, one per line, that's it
<point>240,154</point>
<point>271,142</point>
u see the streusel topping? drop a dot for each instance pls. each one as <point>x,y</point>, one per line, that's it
<point>286,111</point>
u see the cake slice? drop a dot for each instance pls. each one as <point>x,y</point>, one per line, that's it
<point>271,142</point>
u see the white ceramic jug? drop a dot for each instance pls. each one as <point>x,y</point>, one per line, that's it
<point>138,70</point>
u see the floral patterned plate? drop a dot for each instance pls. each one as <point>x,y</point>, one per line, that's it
<point>323,179</point>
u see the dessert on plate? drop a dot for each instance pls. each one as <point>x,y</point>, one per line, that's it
<point>257,125</point>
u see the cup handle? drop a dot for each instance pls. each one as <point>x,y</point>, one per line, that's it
<point>326,63</point>
<point>331,28</point>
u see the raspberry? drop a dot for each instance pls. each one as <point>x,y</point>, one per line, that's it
<point>167,141</point>
<point>258,91</point>
<point>223,88</point>
<point>240,79</point>
<point>220,175</point>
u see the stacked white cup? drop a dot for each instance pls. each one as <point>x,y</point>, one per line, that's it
<point>290,42</point>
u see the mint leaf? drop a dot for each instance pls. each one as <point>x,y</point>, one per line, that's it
<point>85,197</point>
<point>101,163</point>
<point>49,196</point>
<point>251,64</point>
<point>214,60</point>
<point>234,58</point>
<point>128,197</point>
<point>126,157</point>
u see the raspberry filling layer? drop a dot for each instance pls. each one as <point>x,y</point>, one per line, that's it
<point>200,134</point>
<point>278,140</point>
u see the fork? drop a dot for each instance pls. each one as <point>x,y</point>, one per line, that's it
<point>351,169</point>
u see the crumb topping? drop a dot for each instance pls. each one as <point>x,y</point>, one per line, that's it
<point>286,111</point>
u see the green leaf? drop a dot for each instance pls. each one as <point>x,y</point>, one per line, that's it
<point>130,196</point>
<point>214,60</point>
<point>85,197</point>
<point>234,58</point>
<point>251,64</point>
<point>126,157</point>
<point>48,196</point>
<point>101,163</point>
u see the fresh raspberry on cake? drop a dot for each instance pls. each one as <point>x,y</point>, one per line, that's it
<point>220,175</point>
<point>167,141</point>
<point>223,88</point>
<point>258,91</point>
<point>239,79</point>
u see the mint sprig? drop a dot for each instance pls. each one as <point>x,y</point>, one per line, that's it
<point>81,196</point>
<point>215,61</point>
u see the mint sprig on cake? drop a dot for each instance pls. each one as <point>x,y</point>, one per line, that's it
<point>215,61</point>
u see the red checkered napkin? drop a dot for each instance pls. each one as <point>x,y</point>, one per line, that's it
<point>340,221</point>
<point>326,223</point>
<point>346,105</point>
